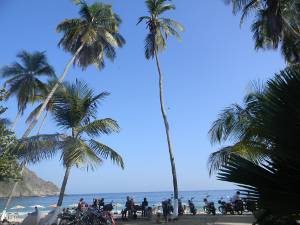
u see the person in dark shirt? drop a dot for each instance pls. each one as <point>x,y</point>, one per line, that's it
<point>167,208</point>
<point>127,208</point>
<point>144,207</point>
<point>101,203</point>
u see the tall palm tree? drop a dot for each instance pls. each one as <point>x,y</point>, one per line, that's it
<point>276,24</point>
<point>23,78</point>
<point>160,28</point>
<point>75,111</point>
<point>90,39</point>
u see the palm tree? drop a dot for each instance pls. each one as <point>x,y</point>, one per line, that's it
<point>74,109</point>
<point>90,39</point>
<point>23,78</point>
<point>276,24</point>
<point>274,127</point>
<point>160,29</point>
<point>233,125</point>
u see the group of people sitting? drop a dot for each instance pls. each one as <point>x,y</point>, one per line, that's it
<point>98,203</point>
<point>131,208</point>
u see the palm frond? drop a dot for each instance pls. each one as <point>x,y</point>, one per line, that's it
<point>75,152</point>
<point>37,148</point>
<point>143,18</point>
<point>106,152</point>
<point>253,152</point>
<point>103,126</point>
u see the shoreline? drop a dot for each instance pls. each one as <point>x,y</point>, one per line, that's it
<point>32,196</point>
<point>112,193</point>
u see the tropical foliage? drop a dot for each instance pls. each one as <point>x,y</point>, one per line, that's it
<point>49,108</point>
<point>23,79</point>
<point>9,167</point>
<point>89,38</point>
<point>273,128</point>
<point>276,24</point>
<point>232,125</point>
<point>160,28</point>
<point>75,111</point>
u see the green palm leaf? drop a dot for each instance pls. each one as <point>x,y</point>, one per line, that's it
<point>103,126</point>
<point>105,152</point>
<point>23,77</point>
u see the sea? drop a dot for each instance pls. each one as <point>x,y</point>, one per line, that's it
<point>117,199</point>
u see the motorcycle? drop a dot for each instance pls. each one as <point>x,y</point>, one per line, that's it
<point>238,207</point>
<point>209,208</point>
<point>225,207</point>
<point>192,207</point>
<point>180,207</point>
<point>92,216</point>
<point>250,205</point>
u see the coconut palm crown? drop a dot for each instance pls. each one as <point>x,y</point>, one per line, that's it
<point>89,38</point>
<point>160,28</point>
<point>276,24</point>
<point>75,111</point>
<point>96,31</point>
<point>23,78</point>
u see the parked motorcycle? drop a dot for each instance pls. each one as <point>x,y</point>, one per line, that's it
<point>192,207</point>
<point>92,216</point>
<point>225,207</point>
<point>238,206</point>
<point>180,207</point>
<point>249,205</point>
<point>209,207</point>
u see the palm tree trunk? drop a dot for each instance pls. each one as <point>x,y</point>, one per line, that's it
<point>58,83</point>
<point>36,118</point>
<point>63,187</point>
<point>42,123</point>
<point>10,197</point>
<point>167,127</point>
<point>16,121</point>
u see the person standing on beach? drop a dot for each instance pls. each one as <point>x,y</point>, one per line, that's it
<point>127,208</point>
<point>144,207</point>
<point>166,206</point>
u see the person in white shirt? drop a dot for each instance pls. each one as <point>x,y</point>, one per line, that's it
<point>236,197</point>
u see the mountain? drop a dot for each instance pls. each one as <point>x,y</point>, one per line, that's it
<point>30,185</point>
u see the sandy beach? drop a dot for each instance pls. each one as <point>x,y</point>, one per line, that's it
<point>199,220</point>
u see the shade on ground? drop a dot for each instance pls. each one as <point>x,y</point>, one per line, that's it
<point>200,220</point>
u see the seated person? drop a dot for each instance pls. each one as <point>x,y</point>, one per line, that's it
<point>81,205</point>
<point>236,197</point>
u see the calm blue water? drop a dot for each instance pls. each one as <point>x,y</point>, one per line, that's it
<point>120,198</point>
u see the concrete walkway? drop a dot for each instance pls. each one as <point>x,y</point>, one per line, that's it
<point>200,220</point>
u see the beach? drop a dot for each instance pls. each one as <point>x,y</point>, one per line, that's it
<point>198,220</point>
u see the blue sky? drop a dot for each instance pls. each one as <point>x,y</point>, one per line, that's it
<point>210,69</point>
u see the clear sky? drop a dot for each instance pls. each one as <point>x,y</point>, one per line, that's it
<point>210,69</point>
